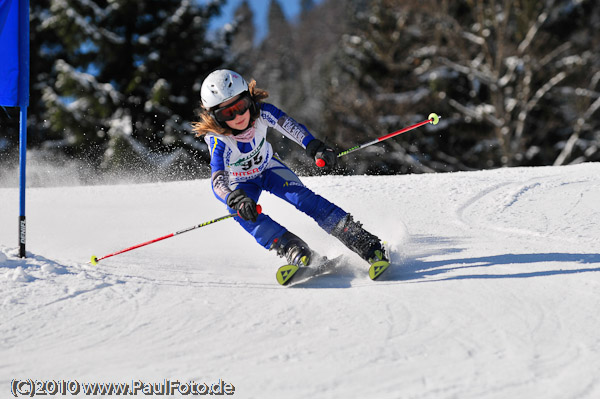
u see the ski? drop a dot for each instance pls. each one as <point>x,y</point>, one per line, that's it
<point>380,266</point>
<point>291,274</point>
<point>377,268</point>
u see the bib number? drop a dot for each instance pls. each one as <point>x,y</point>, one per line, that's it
<point>258,158</point>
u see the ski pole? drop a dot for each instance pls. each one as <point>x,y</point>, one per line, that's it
<point>433,119</point>
<point>94,261</point>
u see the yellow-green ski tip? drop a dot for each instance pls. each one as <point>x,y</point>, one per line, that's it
<point>94,260</point>
<point>377,268</point>
<point>285,273</point>
<point>433,118</point>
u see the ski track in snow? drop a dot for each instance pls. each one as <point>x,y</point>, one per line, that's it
<point>492,293</point>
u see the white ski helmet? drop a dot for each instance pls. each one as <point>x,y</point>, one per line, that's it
<point>220,86</point>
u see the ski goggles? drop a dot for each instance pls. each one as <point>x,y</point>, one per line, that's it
<point>229,112</point>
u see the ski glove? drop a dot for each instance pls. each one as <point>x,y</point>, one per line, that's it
<point>243,205</point>
<point>322,153</point>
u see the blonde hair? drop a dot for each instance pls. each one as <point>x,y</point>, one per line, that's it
<point>208,124</point>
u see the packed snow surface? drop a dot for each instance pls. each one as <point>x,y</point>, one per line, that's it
<point>494,290</point>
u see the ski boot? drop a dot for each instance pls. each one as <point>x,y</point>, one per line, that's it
<point>293,249</point>
<point>297,253</point>
<point>365,244</point>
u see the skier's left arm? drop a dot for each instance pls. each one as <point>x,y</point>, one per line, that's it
<point>284,124</point>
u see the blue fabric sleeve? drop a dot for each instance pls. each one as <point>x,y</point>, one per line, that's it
<point>280,121</point>
<point>219,177</point>
<point>216,148</point>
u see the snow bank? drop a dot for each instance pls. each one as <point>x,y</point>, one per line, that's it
<point>492,292</point>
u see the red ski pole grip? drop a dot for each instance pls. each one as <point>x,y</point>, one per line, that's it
<point>320,162</point>
<point>258,209</point>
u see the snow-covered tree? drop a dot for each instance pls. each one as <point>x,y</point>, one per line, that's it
<point>45,48</point>
<point>131,74</point>
<point>496,70</point>
<point>514,59</point>
<point>377,86</point>
<point>243,39</point>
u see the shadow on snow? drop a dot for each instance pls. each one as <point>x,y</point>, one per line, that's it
<point>416,268</point>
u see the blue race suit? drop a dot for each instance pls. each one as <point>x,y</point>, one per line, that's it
<point>247,161</point>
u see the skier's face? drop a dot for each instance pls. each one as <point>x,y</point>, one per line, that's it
<point>241,120</point>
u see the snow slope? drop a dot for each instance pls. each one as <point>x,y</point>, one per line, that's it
<point>494,292</point>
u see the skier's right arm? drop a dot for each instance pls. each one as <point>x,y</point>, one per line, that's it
<point>219,177</point>
<point>236,200</point>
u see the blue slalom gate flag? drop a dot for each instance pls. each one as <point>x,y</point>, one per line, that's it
<point>14,53</point>
<point>14,83</point>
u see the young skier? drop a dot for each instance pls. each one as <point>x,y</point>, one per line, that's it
<point>234,121</point>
